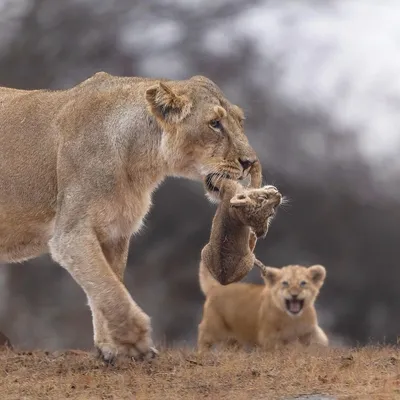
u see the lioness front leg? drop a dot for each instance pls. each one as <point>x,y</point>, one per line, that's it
<point>116,253</point>
<point>128,328</point>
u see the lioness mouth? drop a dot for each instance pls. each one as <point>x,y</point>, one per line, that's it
<point>209,178</point>
<point>210,187</point>
<point>294,306</point>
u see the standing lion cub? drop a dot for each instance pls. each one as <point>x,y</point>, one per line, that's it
<point>270,315</point>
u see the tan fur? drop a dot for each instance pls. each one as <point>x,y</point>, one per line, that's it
<point>241,217</point>
<point>257,315</point>
<point>78,168</point>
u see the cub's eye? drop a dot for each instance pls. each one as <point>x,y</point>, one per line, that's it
<point>215,124</point>
<point>285,283</point>
<point>303,283</point>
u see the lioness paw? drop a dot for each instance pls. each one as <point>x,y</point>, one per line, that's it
<point>110,353</point>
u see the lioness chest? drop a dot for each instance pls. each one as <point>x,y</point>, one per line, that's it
<point>121,216</point>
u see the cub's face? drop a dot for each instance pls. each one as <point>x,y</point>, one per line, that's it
<point>202,131</point>
<point>294,287</point>
<point>256,208</point>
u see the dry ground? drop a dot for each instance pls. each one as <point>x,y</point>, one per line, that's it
<point>365,373</point>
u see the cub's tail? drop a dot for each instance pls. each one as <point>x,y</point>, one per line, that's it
<point>206,280</point>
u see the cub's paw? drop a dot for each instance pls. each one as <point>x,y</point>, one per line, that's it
<point>256,208</point>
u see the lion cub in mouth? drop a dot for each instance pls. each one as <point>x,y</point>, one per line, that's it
<point>270,315</point>
<point>242,216</point>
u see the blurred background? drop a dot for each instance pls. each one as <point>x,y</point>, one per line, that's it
<point>320,85</point>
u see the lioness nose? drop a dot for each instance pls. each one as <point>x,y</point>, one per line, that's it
<point>246,163</point>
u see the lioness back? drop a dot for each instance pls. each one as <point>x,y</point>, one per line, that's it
<point>35,124</point>
<point>28,178</point>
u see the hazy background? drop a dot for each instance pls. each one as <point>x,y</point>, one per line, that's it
<point>320,84</point>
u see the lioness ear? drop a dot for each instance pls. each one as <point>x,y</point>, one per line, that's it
<point>166,105</point>
<point>239,200</point>
<point>271,275</point>
<point>317,274</point>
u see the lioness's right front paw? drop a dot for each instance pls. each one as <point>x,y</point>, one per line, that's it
<point>131,339</point>
<point>106,352</point>
<point>109,353</point>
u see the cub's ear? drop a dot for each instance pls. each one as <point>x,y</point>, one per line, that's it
<point>239,200</point>
<point>271,275</point>
<point>166,105</point>
<point>317,274</point>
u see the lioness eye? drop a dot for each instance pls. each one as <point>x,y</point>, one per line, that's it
<point>215,124</point>
<point>285,283</point>
<point>303,283</point>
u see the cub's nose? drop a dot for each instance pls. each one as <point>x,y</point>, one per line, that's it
<point>277,199</point>
<point>246,163</point>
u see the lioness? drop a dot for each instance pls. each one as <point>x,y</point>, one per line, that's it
<point>242,216</point>
<point>78,168</point>
<point>269,316</point>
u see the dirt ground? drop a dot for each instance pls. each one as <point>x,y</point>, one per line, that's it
<point>365,373</point>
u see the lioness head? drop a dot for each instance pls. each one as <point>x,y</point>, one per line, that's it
<point>294,287</point>
<point>256,208</point>
<point>202,131</point>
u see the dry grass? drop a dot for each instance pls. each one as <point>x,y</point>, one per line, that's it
<point>366,373</point>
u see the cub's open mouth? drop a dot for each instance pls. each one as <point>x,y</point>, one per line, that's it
<point>294,306</point>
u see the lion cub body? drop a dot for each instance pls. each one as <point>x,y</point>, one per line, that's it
<point>242,216</point>
<point>258,315</point>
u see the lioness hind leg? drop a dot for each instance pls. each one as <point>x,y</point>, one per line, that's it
<point>128,327</point>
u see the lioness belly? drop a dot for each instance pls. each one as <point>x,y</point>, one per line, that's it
<point>22,241</point>
<point>28,175</point>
